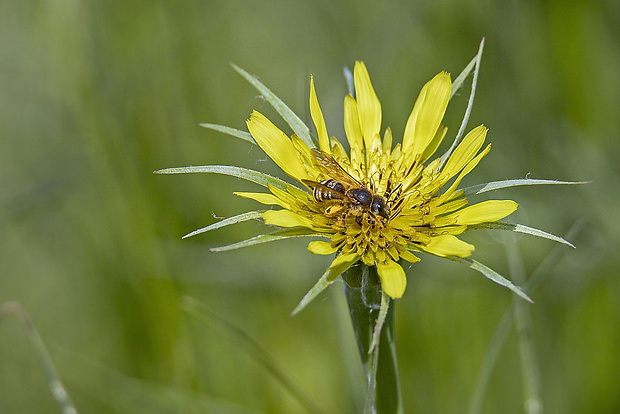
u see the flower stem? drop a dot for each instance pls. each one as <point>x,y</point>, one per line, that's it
<point>364,296</point>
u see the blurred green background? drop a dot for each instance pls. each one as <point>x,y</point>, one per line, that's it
<point>95,95</point>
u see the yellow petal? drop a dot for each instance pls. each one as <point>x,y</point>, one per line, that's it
<point>447,245</point>
<point>299,194</point>
<point>450,192</point>
<point>352,123</point>
<point>305,153</point>
<point>341,264</point>
<point>368,104</point>
<point>276,145</point>
<point>444,208</point>
<point>393,280</point>
<point>339,152</point>
<point>353,131</point>
<point>263,198</point>
<point>317,118</point>
<point>484,212</point>
<point>426,116</point>
<point>453,230</point>
<point>466,150</point>
<point>408,256</point>
<point>321,247</point>
<point>387,140</point>
<point>344,261</point>
<point>434,144</point>
<point>286,218</point>
<point>288,199</point>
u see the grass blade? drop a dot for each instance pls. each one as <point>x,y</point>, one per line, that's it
<point>496,185</point>
<point>269,237</point>
<point>520,228</point>
<point>503,328</point>
<point>63,400</point>
<point>237,133</point>
<point>491,274</point>
<point>458,82</point>
<point>239,172</point>
<point>250,346</point>
<point>523,322</point>
<point>296,124</point>
<point>250,215</point>
<point>470,104</point>
<point>348,77</point>
<point>338,266</point>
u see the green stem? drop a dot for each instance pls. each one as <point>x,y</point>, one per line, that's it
<point>364,296</point>
<point>501,333</point>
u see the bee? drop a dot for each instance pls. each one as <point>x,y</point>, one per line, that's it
<point>342,186</point>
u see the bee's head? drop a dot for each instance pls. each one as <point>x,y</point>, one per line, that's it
<point>380,207</point>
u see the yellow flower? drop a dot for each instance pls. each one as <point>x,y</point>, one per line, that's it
<point>389,202</point>
<point>380,203</point>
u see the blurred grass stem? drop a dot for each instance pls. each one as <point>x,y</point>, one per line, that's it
<point>65,404</point>
<point>250,346</point>
<point>503,328</point>
<point>523,321</point>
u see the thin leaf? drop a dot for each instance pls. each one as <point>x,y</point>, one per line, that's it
<point>371,390</point>
<point>237,133</point>
<point>388,395</point>
<point>348,77</point>
<point>496,185</point>
<point>520,228</point>
<point>327,279</point>
<point>266,238</point>
<point>251,347</point>
<point>385,305</point>
<point>458,82</point>
<point>470,104</point>
<point>58,390</point>
<point>491,274</point>
<point>239,172</point>
<point>250,215</point>
<point>296,124</point>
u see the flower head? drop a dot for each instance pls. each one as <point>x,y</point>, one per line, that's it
<point>380,202</point>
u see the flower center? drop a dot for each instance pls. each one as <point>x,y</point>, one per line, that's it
<point>364,233</point>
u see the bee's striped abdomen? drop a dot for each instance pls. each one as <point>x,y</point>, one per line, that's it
<point>322,195</point>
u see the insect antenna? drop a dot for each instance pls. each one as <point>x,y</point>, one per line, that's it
<point>396,190</point>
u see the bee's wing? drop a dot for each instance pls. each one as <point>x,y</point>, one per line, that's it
<point>330,167</point>
<point>335,195</point>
